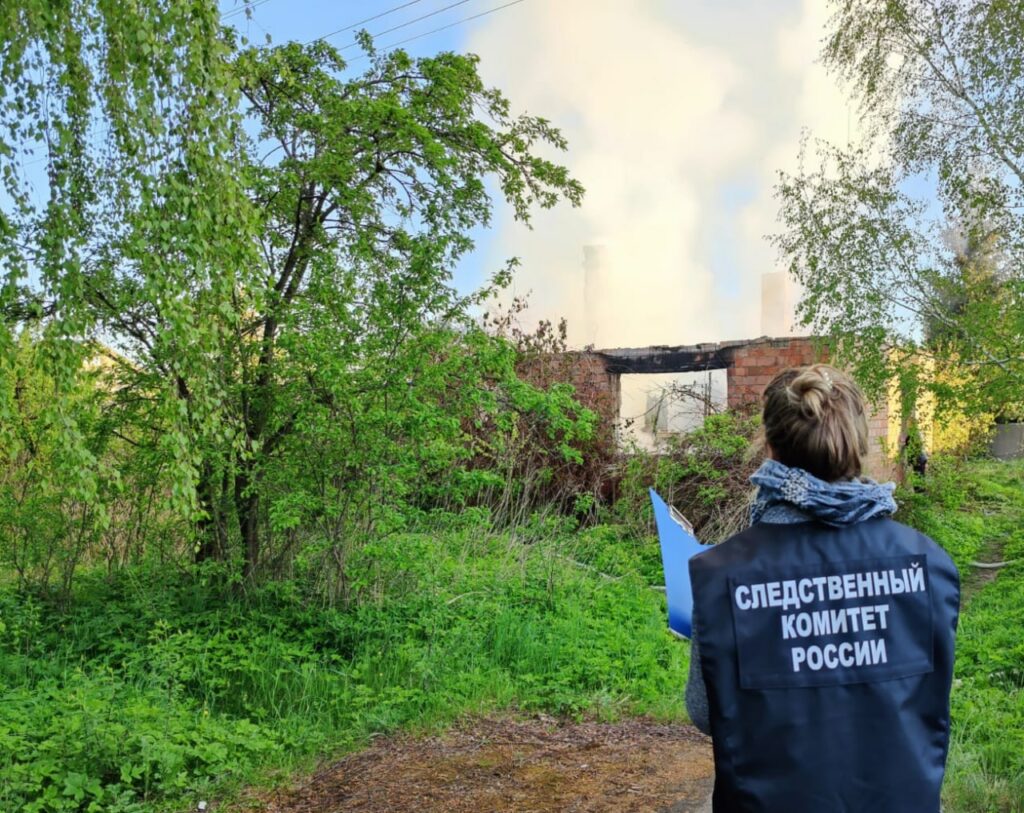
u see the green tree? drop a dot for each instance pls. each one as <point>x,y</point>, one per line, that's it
<point>116,129</point>
<point>941,90</point>
<point>50,517</point>
<point>364,208</point>
<point>973,276</point>
<point>273,272</point>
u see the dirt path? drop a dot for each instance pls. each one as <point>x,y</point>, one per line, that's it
<point>976,577</point>
<point>514,766</point>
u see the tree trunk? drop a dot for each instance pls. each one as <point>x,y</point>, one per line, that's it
<point>247,504</point>
<point>213,532</point>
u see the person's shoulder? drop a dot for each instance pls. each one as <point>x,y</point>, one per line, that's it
<point>933,549</point>
<point>736,547</point>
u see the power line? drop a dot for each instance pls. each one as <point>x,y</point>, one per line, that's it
<point>406,24</point>
<point>394,45</point>
<point>246,6</point>
<point>261,28</point>
<point>367,20</point>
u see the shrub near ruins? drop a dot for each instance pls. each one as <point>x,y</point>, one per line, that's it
<point>704,474</point>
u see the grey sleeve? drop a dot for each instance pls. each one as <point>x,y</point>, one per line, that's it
<point>696,691</point>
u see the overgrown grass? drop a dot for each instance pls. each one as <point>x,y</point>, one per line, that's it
<point>976,512</point>
<point>151,691</point>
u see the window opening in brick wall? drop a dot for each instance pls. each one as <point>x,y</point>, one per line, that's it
<point>658,406</point>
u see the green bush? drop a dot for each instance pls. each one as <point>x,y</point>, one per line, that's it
<point>986,767</point>
<point>704,474</point>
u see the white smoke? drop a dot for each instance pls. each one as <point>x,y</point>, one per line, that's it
<point>665,106</point>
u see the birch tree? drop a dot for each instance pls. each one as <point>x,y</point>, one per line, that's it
<point>910,245</point>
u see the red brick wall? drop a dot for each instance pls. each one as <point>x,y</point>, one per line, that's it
<point>595,386</point>
<point>756,364</point>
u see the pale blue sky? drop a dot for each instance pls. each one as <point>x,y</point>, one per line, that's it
<point>303,20</point>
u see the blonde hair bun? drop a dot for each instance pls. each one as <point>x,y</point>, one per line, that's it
<point>811,390</point>
<point>815,419</point>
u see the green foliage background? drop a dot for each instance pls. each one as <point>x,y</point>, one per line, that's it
<point>149,689</point>
<point>908,242</point>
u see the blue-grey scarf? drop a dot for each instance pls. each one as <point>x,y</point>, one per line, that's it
<point>843,502</point>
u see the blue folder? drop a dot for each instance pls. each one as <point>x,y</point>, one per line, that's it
<point>678,544</point>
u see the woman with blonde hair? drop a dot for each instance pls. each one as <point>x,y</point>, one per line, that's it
<point>823,635</point>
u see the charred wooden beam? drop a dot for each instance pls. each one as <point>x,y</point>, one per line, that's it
<point>666,359</point>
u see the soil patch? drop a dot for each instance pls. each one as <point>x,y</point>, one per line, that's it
<point>502,765</point>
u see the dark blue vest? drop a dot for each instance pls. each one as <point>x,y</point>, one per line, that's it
<point>828,656</point>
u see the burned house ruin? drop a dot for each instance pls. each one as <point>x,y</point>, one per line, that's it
<point>748,365</point>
